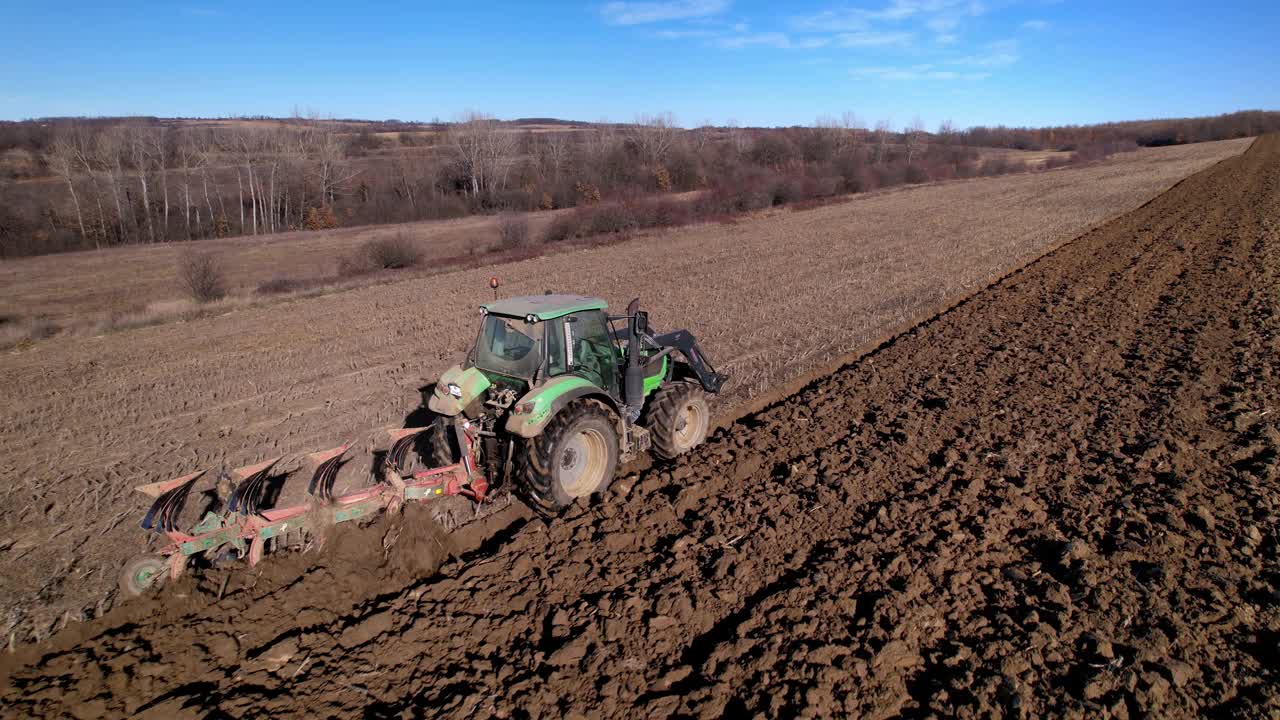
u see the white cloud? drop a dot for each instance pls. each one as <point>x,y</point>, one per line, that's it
<point>996,54</point>
<point>916,72</point>
<point>639,13</point>
<point>768,39</point>
<point>873,39</point>
<point>1035,25</point>
<point>681,34</point>
<point>833,21</point>
<point>893,24</point>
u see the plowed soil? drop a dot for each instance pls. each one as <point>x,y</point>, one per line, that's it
<point>1058,498</point>
<point>83,420</point>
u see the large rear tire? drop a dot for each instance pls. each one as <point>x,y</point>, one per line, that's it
<point>678,419</point>
<point>441,446</point>
<point>575,457</point>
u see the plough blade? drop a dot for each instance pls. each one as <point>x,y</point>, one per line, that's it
<point>401,442</point>
<point>248,495</point>
<point>170,496</point>
<point>327,463</point>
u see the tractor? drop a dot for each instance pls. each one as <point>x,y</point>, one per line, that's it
<point>560,393</point>
<point>553,397</point>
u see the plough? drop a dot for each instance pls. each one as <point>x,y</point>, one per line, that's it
<point>247,528</point>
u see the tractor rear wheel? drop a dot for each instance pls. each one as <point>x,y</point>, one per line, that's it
<point>575,457</point>
<point>678,419</point>
<point>441,446</point>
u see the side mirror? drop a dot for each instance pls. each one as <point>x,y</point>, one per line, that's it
<point>639,323</point>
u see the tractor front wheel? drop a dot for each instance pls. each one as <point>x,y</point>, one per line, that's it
<point>575,457</point>
<point>678,419</point>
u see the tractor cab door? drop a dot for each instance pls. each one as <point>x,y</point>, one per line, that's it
<point>581,344</point>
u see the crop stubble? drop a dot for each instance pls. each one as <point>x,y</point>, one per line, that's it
<point>770,298</point>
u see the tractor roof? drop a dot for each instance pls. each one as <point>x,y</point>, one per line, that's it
<point>544,307</point>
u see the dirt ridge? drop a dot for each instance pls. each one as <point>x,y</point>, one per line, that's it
<point>1057,498</point>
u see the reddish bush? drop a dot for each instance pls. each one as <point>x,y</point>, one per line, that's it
<point>610,218</point>
<point>562,227</point>
<point>384,253</point>
<point>513,231</point>
<point>201,276</point>
<point>915,174</point>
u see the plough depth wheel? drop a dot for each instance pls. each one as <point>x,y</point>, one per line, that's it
<point>143,573</point>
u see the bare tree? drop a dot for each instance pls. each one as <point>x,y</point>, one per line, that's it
<point>108,154</point>
<point>917,139</point>
<point>332,171</point>
<point>946,132</point>
<point>854,125</point>
<point>189,159</point>
<point>138,147</point>
<point>483,147</point>
<point>158,152</point>
<point>64,161</point>
<point>882,139</point>
<point>738,137</point>
<point>653,136</point>
<point>554,153</point>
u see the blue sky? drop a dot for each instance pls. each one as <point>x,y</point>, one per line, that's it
<point>1028,62</point>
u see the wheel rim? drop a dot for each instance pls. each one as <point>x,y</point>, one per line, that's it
<point>689,426</point>
<point>582,463</point>
<point>145,575</point>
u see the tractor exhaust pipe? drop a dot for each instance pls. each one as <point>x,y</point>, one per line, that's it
<point>633,376</point>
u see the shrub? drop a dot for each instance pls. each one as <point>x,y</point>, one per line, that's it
<point>321,218</point>
<point>788,190</point>
<point>201,277</point>
<point>661,213</point>
<point>384,253</point>
<point>278,285</point>
<point>513,231</point>
<point>444,207</point>
<point>561,228</point>
<point>916,174</point>
<point>663,178</point>
<point>393,253</point>
<point>1056,161</point>
<point>861,180</point>
<point>611,218</point>
<point>587,193</point>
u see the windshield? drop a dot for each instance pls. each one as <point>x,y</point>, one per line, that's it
<point>509,346</point>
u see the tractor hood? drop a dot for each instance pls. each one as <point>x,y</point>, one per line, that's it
<point>456,389</point>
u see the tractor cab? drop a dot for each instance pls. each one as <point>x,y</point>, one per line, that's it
<point>541,337</point>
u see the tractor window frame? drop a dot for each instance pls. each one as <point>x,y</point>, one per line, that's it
<point>560,357</point>
<point>524,371</point>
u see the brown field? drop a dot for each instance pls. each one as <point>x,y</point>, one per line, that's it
<point>771,298</point>
<point>1060,498</point>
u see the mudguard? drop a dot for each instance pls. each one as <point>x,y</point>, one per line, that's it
<point>456,389</point>
<point>536,408</point>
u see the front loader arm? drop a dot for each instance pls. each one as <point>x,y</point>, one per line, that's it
<point>686,344</point>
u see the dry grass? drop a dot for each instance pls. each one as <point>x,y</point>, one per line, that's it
<point>773,297</point>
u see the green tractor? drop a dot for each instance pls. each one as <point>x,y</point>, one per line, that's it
<point>557,393</point>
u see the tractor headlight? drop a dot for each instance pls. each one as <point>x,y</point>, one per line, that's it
<point>525,408</point>
<point>455,391</point>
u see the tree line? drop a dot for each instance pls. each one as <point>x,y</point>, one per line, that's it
<point>107,182</point>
